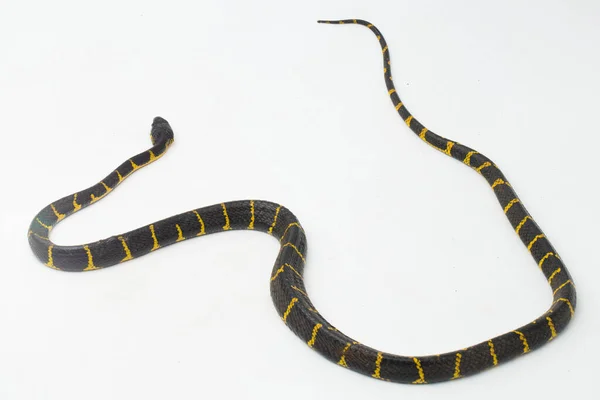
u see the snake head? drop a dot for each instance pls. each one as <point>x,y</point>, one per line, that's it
<point>161,131</point>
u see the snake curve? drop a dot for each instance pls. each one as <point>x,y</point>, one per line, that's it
<point>287,287</point>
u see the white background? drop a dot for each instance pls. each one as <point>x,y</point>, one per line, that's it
<point>409,251</point>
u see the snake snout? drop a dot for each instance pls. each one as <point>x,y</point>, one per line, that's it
<point>161,131</point>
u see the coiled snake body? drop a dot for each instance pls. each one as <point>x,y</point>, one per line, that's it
<point>287,286</point>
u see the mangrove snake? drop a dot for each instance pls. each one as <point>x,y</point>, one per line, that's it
<point>287,285</point>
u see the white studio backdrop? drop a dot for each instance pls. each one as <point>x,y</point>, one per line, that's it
<point>409,251</point>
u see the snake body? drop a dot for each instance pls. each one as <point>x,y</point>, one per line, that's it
<point>287,286</point>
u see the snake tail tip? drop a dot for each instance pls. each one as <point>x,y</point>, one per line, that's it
<point>344,21</point>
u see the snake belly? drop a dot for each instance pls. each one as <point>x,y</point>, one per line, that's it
<point>287,285</point>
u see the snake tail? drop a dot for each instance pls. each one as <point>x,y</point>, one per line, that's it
<point>523,339</point>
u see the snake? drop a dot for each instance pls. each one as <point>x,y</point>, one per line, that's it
<point>288,291</point>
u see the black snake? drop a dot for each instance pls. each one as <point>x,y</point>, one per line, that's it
<point>287,285</point>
